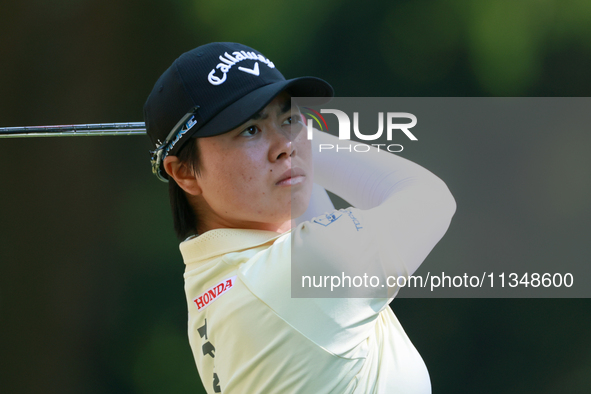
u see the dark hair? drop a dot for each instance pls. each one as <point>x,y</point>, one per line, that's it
<point>183,214</point>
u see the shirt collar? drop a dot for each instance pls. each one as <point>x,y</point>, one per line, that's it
<point>225,240</point>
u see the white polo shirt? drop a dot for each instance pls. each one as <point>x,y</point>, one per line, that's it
<point>249,336</point>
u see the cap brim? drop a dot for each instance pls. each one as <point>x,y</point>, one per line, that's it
<point>244,108</point>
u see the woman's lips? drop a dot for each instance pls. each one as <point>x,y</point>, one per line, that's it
<point>291,177</point>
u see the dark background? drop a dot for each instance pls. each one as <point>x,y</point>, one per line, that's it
<point>91,290</point>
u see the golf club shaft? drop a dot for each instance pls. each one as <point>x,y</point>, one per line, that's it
<point>98,129</point>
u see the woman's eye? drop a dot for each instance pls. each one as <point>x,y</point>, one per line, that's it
<point>288,120</point>
<point>250,131</point>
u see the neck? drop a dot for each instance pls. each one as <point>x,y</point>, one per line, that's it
<point>210,220</point>
<point>280,229</point>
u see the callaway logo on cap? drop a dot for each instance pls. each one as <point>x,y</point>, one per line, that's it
<point>211,90</point>
<point>227,61</point>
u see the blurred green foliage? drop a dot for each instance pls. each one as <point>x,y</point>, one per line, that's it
<point>91,291</point>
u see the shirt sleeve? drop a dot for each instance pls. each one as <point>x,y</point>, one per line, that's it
<point>338,244</point>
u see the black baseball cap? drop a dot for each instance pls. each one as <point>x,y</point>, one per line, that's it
<point>213,89</point>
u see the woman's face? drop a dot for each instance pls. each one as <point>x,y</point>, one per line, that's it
<point>258,175</point>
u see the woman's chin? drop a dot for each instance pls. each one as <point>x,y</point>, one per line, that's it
<point>300,201</point>
<point>298,207</point>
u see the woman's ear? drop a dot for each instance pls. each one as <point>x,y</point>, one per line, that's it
<point>182,174</point>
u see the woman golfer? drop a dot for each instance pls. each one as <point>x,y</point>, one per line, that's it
<point>247,189</point>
